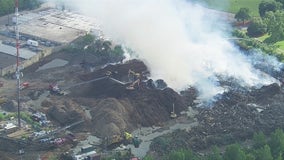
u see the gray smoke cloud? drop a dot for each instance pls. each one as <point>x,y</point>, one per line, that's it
<point>180,42</point>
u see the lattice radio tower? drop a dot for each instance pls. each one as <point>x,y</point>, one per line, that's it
<point>18,74</point>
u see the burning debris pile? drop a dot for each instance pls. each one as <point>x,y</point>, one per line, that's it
<point>112,106</point>
<point>234,116</point>
<point>239,114</point>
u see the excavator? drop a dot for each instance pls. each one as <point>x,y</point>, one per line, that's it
<point>135,78</point>
<point>54,89</point>
<point>173,115</point>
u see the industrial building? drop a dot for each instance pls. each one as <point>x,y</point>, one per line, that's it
<point>54,25</point>
<point>41,30</point>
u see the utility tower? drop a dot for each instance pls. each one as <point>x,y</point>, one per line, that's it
<point>18,74</point>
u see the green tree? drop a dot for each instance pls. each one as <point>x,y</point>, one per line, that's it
<point>250,156</point>
<point>264,153</point>
<point>259,140</point>
<point>280,1</point>
<point>275,26</point>
<point>84,41</point>
<point>148,157</point>
<point>257,27</point>
<point>215,155</point>
<point>6,7</point>
<point>266,6</point>
<point>28,4</point>
<point>279,157</point>
<point>182,155</point>
<point>234,152</point>
<point>276,143</point>
<point>243,14</point>
<point>118,50</point>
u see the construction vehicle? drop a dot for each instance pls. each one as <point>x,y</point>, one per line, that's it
<point>108,73</point>
<point>125,138</point>
<point>173,114</point>
<point>135,78</point>
<point>54,89</point>
<point>134,85</point>
<point>133,75</point>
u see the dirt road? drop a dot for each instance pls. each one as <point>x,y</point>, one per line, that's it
<point>147,135</point>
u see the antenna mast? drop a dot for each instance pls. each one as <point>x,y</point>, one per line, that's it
<point>17,64</point>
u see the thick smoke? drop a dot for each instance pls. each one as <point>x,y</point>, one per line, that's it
<point>180,42</point>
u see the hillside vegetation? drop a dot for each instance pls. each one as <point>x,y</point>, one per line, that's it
<point>262,22</point>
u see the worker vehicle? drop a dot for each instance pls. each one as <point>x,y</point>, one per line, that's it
<point>24,85</point>
<point>136,142</point>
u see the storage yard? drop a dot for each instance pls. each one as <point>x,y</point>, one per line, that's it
<point>71,112</point>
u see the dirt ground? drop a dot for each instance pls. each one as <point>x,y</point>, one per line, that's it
<point>100,97</point>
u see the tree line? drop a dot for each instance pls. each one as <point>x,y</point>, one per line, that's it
<point>270,20</point>
<point>8,6</point>
<point>104,50</point>
<point>262,148</point>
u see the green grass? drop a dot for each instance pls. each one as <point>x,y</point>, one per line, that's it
<point>280,44</point>
<point>233,6</point>
<point>262,38</point>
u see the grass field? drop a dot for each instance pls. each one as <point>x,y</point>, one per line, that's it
<point>233,5</point>
<point>280,44</point>
<point>262,38</point>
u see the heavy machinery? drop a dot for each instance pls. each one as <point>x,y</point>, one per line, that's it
<point>133,75</point>
<point>173,114</point>
<point>125,138</point>
<point>135,78</point>
<point>134,85</point>
<point>54,89</point>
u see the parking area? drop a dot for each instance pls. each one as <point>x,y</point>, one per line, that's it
<point>6,60</point>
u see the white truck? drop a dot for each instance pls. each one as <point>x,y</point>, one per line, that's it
<point>32,43</point>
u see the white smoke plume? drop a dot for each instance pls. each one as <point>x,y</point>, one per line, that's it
<point>179,41</point>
